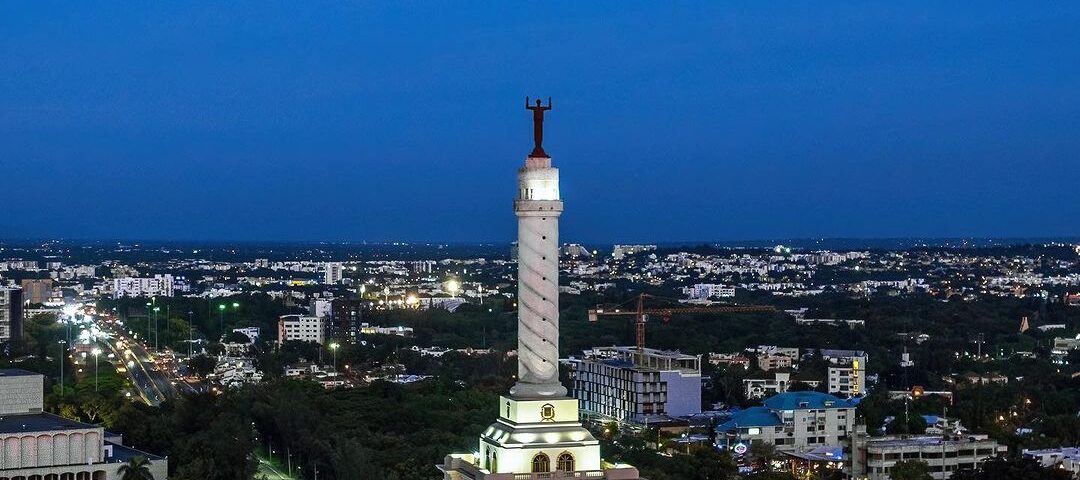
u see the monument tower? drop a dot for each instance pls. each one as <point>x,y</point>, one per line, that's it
<point>538,431</point>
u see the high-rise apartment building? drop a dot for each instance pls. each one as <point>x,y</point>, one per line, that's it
<point>36,291</point>
<point>333,273</point>
<point>345,320</point>
<point>625,384</point>
<point>847,372</point>
<point>304,328</point>
<point>11,315</point>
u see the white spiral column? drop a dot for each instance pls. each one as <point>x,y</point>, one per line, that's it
<point>538,208</point>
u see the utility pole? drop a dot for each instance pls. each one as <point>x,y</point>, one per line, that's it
<point>148,321</point>
<point>191,326</point>
<point>63,355</point>
<point>944,412</point>
<point>96,352</point>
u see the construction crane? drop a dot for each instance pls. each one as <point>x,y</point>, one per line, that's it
<point>641,313</point>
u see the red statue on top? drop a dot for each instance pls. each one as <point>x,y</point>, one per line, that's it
<point>538,126</point>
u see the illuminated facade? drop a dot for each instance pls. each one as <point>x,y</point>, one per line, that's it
<point>847,372</point>
<point>792,421</point>
<point>156,286</point>
<point>625,384</point>
<point>874,458</point>
<point>302,328</point>
<point>538,434</point>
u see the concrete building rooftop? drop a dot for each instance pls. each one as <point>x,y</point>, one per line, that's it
<point>807,400</point>
<point>39,422</point>
<point>121,454</point>
<point>923,441</point>
<point>750,417</point>
<point>16,372</point>
<point>647,359</point>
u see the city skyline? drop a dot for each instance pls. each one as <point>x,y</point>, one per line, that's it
<point>763,241</point>
<point>723,124</point>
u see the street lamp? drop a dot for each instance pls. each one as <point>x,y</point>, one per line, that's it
<point>221,318</point>
<point>96,351</point>
<point>333,349</point>
<point>156,328</point>
<point>190,326</point>
<point>453,286</point>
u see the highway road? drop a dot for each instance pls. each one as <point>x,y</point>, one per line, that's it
<point>155,379</point>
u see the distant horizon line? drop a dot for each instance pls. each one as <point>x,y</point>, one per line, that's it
<point>992,240</point>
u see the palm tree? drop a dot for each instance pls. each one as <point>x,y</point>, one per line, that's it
<point>137,468</point>
<point>763,453</point>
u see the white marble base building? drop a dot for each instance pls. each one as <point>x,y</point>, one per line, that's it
<point>42,446</point>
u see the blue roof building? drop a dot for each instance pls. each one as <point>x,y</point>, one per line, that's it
<point>792,421</point>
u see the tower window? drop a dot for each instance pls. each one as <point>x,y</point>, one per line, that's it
<point>541,463</point>
<point>565,462</point>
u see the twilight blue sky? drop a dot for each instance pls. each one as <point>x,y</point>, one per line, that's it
<point>673,121</point>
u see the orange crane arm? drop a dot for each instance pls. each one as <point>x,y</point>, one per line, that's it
<point>667,312</point>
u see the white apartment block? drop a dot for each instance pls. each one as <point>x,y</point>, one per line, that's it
<point>873,458</point>
<point>304,328</point>
<point>705,291</point>
<point>620,251</point>
<point>1062,345</point>
<point>774,350</point>
<point>847,372</point>
<point>1063,458</point>
<point>333,273</point>
<point>768,361</point>
<point>780,382</point>
<point>250,332</point>
<point>18,264</point>
<point>322,307</point>
<point>625,385</point>
<point>791,421</point>
<point>848,381</point>
<point>156,286</point>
